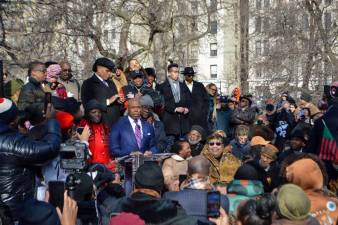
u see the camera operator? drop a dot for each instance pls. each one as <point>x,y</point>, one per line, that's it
<point>18,154</point>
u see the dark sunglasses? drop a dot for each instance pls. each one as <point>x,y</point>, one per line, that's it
<point>215,143</point>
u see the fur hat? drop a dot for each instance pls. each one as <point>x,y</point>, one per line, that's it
<point>149,176</point>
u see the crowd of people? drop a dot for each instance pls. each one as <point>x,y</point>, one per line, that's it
<point>272,164</point>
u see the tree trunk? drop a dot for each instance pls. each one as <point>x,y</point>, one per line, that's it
<point>244,45</point>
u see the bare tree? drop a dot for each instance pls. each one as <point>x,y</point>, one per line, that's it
<point>290,47</point>
<point>78,29</point>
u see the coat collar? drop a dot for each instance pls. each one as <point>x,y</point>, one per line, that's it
<point>34,81</point>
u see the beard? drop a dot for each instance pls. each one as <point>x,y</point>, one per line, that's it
<point>193,142</point>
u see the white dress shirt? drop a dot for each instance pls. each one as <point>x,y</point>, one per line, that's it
<point>190,85</point>
<point>105,82</point>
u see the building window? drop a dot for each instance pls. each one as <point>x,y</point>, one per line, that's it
<point>194,50</point>
<point>106,35</point>
<point>258,4</point>
<point>213,4</point>
<point>194,6</point>
<point>213,49</point>
<point>258,24</point>
<point>213,71</point>
<point>258,48</point>
<point>328,2</point>
<point>258,71</point>
<point>266,3</point>
<point>213,27</point>
<point>113,34</point>
<point>266,47</point>
<point>266,24</point>
<point>305,22</point>
<point>327,20</point>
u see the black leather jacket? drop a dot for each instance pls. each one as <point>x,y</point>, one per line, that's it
<point>18,154</point>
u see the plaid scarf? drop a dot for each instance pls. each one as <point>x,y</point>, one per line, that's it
<point>197,183</point>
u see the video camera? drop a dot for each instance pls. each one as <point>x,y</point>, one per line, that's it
<point>73,156</point>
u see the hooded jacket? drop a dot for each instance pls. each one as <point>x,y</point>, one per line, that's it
<point>306,174</point>
<point>153,210</point>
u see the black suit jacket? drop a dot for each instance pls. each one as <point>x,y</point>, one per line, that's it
<point>175,123</point>
<point>94,88</point>
<point>199,108</point>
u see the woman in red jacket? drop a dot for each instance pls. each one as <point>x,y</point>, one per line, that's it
<point>98,135</point>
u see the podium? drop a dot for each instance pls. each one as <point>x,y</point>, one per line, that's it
<point>131,163</point>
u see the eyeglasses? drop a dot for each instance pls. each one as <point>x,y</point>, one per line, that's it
<point>41,70</point>
<point>147,107</point>
<point>212,89</point>
<point>215,143</point>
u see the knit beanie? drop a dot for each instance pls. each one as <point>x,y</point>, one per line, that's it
<point>53,71</point>
<point>293,203</point>
<point>246,172</point>
<point>199,129</point>
<point>149,176</point>
<point>306,97</point>
<point>93,104</point>
<point>269,107</point>
<point>65,119</point>
<point>11,87</point>
<point>8,110</point>
<point>146,100</point>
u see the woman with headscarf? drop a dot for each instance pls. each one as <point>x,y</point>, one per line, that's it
<point>53,74</point>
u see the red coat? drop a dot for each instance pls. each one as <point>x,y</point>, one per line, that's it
<point>99,145</point>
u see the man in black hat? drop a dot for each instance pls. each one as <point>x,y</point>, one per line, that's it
<point>200,99</point>
<point>298,141</point>
<point>101,88</point>
<point>244,114</point>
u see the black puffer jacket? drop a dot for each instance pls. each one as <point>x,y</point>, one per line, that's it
<point>32,92</point>
<point>18,155</point>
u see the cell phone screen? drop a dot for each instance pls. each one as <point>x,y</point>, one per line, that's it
<point>56,191</point>
<point>213,204</point>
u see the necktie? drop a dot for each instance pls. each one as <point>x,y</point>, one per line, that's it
<point>138,134</point>
<point>106,83</point>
